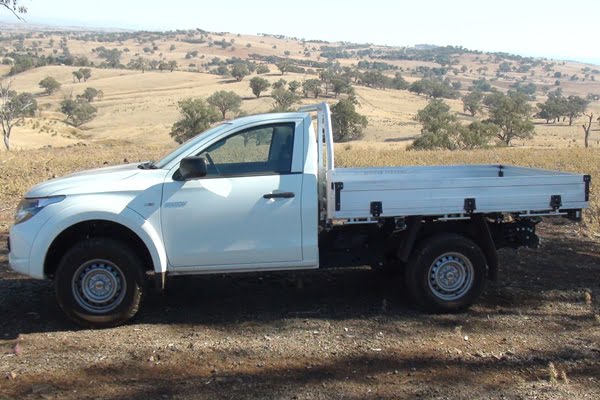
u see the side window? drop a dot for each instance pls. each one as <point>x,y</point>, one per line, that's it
<point>260,150</point>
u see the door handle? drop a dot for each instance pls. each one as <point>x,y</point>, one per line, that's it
<point>282,195</point>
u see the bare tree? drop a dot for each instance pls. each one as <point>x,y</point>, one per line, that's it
<point>586,128</point>
<point>13,109</point>
<point>14,6</point>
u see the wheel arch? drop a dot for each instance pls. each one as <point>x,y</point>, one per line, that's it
<point>128,226</point>
<point>475,229</point>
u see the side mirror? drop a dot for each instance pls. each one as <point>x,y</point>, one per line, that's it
<point>192,168</point>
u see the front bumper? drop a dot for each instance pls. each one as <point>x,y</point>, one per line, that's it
<point>19,249</point>
<point>20,265</point>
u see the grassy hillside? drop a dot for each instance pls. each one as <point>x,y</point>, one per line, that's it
<point>143,106</point>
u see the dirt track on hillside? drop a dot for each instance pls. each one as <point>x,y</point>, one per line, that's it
<point>320,335</point>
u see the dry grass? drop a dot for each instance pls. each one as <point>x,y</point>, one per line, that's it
<point>564,377</point>
<point>555,375</point>
<point>552,372</point>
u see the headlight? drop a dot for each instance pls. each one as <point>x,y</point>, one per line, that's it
<point>29,207</point>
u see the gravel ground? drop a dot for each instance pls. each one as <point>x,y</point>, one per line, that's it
<point>338,334</point>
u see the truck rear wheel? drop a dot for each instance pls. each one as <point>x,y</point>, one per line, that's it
<point>446,273</point>
<point>99,283</point>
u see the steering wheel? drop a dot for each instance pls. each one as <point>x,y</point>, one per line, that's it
<point>212,163</point>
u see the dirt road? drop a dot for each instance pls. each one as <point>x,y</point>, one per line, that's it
<point>319,335</point>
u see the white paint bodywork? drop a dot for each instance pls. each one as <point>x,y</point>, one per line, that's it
<point>221,224</point>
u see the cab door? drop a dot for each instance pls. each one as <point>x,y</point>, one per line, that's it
<point>246,213</point>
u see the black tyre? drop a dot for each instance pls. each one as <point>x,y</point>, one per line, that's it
<point>99,283</point>
<point>446,273</point>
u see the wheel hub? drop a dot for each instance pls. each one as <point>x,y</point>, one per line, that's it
<point>98,286</point>
<point>451,276</point>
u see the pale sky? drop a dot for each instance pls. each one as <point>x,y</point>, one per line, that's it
<point>550,28</point>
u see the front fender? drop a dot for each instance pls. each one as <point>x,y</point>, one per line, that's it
<point>113,212</point>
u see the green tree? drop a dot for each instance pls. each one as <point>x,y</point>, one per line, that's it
<point>326,76</point>
<point>340,86</point>
<point>477,135</point>
<point>172,65</point>
<point>505,66</point>
<point>90,94</point>
<point>553,108</point>
<point>196,117</point>
<point>112,57</point>
<point>225,101</point>
<point>472,102</point>
<point>284,66</point>
<point>435,116</point>
<point>77,75</point>
<point>443,90</point>
<point>376,79</point>
<point>283,100</point>
<point>50,85</point>
<point>139,63</point>
<point>221,70</point>
<point>511,112</point>
<point>78,111</point>
<point>21,64</point>
<point>576,106</point>
<point>441,130</point>
<point>86,73</point>
<point>455,136</point>
<point>294,86</point>
<point>528,89</point>
<point>442,139</point>
<point>14,108</point>
<point>434,89</point>
<point>347,123</point>
<point>481,85</point>
<point>399,82</point>
<point>262,69</point>
<point>280,84</point>
<point>312,85</point>
<point>239,71</point>
<point>259,85</point>
<point>67,107</point>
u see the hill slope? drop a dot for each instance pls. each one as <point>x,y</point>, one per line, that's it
<point>142,106</point>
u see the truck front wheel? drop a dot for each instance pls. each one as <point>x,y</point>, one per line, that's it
<point>446,273</point>
<point>99,283</point>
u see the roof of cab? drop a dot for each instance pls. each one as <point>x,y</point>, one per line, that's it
<point>264,118</point>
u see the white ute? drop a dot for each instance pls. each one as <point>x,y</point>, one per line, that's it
<point>259,194</point>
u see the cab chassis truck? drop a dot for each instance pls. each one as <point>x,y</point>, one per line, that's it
<point>262,193</point>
